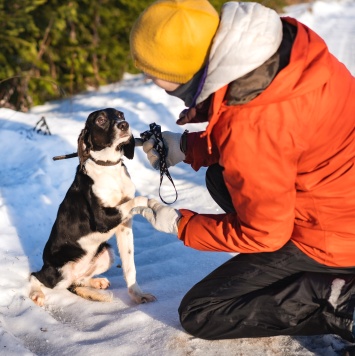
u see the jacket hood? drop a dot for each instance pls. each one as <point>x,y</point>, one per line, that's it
<point>247,36</point>
<point>309,68</point>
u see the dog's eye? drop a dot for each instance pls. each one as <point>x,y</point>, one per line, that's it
<point>101,120</point>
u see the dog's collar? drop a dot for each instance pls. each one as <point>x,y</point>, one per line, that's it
<point>105,163</point>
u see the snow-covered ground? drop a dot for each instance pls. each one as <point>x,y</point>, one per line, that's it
<point>32,186</point>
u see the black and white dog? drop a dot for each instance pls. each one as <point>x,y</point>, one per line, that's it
<point>96,206</point>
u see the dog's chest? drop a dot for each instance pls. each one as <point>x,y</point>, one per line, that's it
<point>112,185</point>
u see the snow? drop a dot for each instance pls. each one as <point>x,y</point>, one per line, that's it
<point>32,186</point>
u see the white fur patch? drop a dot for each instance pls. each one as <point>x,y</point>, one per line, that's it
<point>112,184</point>
<point>337,285</point>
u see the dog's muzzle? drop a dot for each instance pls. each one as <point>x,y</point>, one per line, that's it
<point>123,125</point>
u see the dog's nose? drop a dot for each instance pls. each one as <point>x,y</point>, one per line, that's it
<point>123,125</point>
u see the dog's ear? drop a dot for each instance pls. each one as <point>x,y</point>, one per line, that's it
<point>128,149</point>
<point>84,146</point>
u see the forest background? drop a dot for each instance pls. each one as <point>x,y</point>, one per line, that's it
<point>50,49</point>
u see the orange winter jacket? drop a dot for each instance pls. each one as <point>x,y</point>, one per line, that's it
<point>288,158</point>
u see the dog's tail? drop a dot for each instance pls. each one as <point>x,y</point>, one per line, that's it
<point>91,293</point>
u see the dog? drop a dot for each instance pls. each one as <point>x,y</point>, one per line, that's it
<point>97,205</point>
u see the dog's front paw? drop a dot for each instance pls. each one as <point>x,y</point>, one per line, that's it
<point>145,298</point>
<point>139,297</point>
<point>140,201</point>
<point>99,283</point>
<point>126,208</point>
<point>38,298</point>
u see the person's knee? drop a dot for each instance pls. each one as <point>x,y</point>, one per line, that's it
<point>190,322</point>
<point>193,319</point>
<point>217,188</point>
<point>214,176</point>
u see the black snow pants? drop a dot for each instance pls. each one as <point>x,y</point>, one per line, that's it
<point>267,294</point>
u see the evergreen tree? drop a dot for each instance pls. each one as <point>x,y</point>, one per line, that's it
<point>17,51</point>
<point>49,48</point>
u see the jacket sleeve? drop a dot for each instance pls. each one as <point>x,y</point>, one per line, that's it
<point>197,154</point>
<point>260,161</point>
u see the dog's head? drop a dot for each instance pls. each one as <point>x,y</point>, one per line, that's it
<point>106,136</point>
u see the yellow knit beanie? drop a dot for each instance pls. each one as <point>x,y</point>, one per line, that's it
<point>171,38</point>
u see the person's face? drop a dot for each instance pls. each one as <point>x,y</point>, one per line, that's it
<point>164,84</point>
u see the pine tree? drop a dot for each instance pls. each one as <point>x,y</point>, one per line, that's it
<point>49,48</point>
<point>17,51</point>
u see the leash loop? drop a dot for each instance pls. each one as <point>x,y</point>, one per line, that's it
<point>155,130</point>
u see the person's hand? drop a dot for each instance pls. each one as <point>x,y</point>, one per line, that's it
<point>174,155</point>
<point>162,217</point>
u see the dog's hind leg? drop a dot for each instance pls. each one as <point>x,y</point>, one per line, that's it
<point>124,237</point>
<point>99,283</point>
<point>48,276</point>
<point>85,287</point>
<point>36,293</point>
<point>91,293</point>
<point>103,260</point>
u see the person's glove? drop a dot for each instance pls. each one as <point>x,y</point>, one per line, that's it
<point>174,155</point>
<point>162,217</point>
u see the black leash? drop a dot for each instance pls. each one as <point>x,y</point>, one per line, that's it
<point>71,155</point>
<point>155,130</point>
